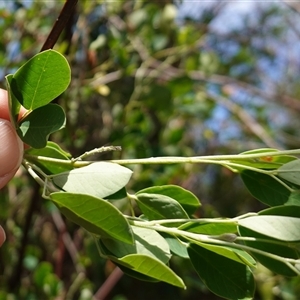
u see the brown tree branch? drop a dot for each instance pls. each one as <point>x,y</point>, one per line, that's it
<point>60,24</point>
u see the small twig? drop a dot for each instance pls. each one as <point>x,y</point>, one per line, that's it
<point>60,225</point>
<point>60,24</point>
<point>109,284</point>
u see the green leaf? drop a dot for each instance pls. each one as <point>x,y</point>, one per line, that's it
<point>135,274</point>
<point>265,188</point>
<point>120,194</point>
<point>269,245</point>
<point>278,227</point>
<point>176,245</point>
<point>294,199</point>
<point>95,215</point>
<point>156,207</point>
<point>210,228</point>
<point>51,150</point>
<point>237,255</point>
<point>59,149</point>
<point>223,276</point>
<point>41,79</point>
<point>13,104</point>
<point>188,200</point>
<point>290,172</point>
<point>35,128</point>
<point>147,242</point>
<point>99,179</point>
<point>151,267</point>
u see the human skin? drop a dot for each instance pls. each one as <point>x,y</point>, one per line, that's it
<point>11,148</point>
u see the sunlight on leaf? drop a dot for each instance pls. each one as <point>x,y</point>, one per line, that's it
<point>99,179</point>
<point>279,227</point>
<point>41,79</point>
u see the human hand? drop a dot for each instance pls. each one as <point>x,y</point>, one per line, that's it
<point>11,149</point>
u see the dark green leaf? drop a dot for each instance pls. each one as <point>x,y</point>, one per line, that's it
<point>265,188</point>
<point>99,179</point>
<point>156,207</point>
<point>35,128</point>
<point>188,200</point>
<point>120,194</point>
<point>224,277</point>
<point>95,215</point>
<point>41,79</point>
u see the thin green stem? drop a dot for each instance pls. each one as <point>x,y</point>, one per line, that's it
<point>202,238</point>
<point>199,221</point>
<point>283,183</point>
<point>223,159</point>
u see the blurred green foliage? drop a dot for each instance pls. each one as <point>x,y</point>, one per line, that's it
<point>157,78</point>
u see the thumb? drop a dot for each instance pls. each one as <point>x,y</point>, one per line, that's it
<point>11,152</point>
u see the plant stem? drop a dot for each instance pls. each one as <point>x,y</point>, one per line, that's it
<point>223,160</point>
<point>60,24</point>
<point>170,221</point>
<point>215,240</point>
<point>170,159</point>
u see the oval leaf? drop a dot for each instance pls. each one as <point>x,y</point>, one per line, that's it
<point>95,215</point>
<point>99,179</point>
<point>151,267</point>
<point>35,128</point>
<point>279,227</point>
<point>188,200</point>
<point>41,79</point>
<point>156,207</point>
<point>265,188</point>
<point>223,276</point>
